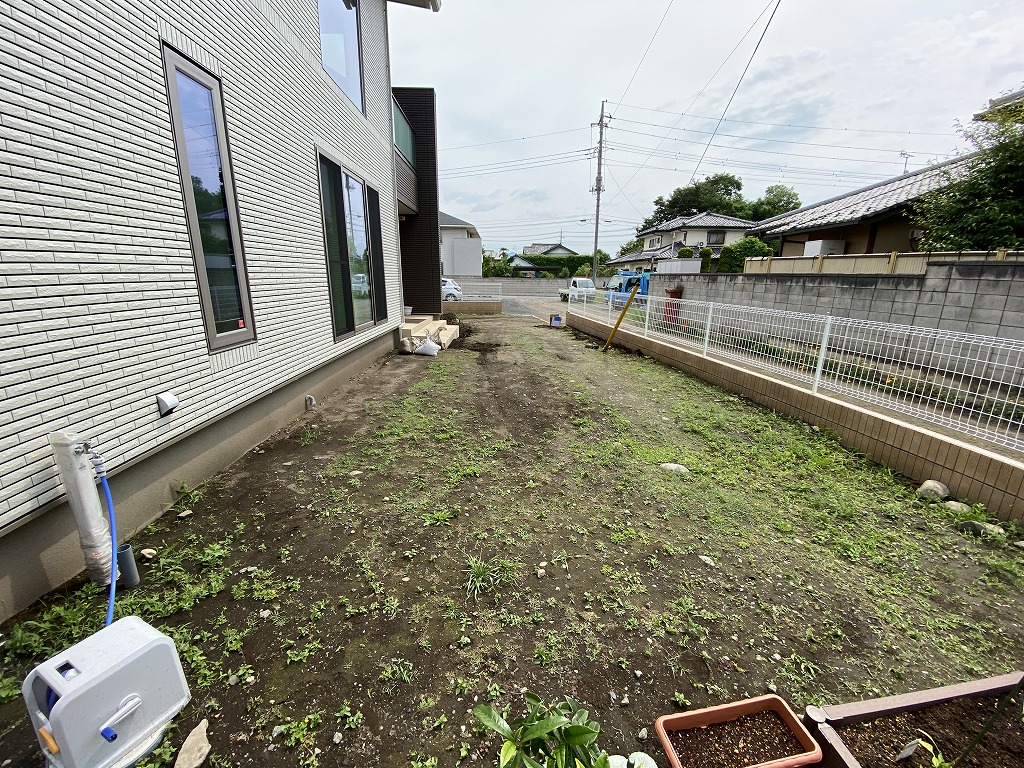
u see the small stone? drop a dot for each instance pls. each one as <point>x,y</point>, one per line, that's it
<point>386,498</point>
<point>233,680</point>
<point>674,467</point>
<point>613,696</point>
<point>195,749</point>
<point>777,656</point>
<point>278,730</point>
<point>933,490</point>
<point>287,463</point>
<point>337,737</point>
<point>355,473</point>
<point>642,735</point>
<point>815,429</point>
<point>184,513</point>
<point>638,674</point>
<point>250,679</point>
<point>773,687</point>
<point>266,613</point>
<point>976,528</point>
<point>542,564</point>
<point>624,702</point>
<point>1019,544</point>
<point>642,760</point>
<point>541,573</point>
<point>405,578</point>
<point>707,560</point>
<point>147,554</point>
<point>957,506</point>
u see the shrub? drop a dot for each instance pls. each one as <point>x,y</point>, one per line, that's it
<point>733,256</point>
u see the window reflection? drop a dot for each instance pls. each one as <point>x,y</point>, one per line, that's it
<point>206,170</point>
<point>358,251</point>
<point>339,46</point>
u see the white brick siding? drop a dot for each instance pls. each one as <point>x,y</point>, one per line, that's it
<point>99,303</point>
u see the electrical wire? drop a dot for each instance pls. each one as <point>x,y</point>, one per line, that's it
<point>520,138</point>
<point>765,151</point>
<point>787,125</point>
<point>699,93</point>
<point>738,84</point>
<point>647,49</point>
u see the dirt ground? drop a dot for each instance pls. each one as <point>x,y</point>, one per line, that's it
<point>452,531</point>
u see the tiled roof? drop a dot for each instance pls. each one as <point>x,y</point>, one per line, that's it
<point>445,220</point>
<point>539,249</point>
<point>704,220</point>
<point>862,203</point>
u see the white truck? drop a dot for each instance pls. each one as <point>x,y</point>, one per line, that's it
<point>579,288</point>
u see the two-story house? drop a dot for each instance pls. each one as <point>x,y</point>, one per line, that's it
<point>685,236</point>
<point>196,199</point>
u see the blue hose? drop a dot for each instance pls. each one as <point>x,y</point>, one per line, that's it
<point>113,549</point>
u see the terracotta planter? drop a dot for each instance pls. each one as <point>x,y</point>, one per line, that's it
<point>685,721</point>
<point>820,720</point>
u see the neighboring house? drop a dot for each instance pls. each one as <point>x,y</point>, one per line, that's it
<point>684,235</point>
<point>197,199</point>
<point>869,220</point>
<point>1009,107</point>
<point>548,249</point>
<point>523,266</point>
<point>461,247</point>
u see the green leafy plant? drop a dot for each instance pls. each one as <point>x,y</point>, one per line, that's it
<point>488,576</point>
<point>548,736</point>
<point>300,734</point>
<point>937,760</point>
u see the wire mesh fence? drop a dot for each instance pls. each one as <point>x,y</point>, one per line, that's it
<point>963,381</point>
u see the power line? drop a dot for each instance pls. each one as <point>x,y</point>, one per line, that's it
<point>491,171</point>
<point>647,49</point>
<point>699,93</point>
<point>520,138</point>
<point>760,138</point>
<point>769,151</point>
<point>518,160</point>
<point>788,125</point>
<point>734,90</point>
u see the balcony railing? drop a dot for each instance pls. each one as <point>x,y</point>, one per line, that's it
<point>405,136</point>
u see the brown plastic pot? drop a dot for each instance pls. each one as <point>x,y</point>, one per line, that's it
<point>685,721</point>
<point>820,720</point>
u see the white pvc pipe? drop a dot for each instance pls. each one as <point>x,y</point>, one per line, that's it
<point>76,473</point>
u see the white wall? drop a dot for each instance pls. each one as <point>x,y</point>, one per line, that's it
<point>100,309</point>
<point>461,252</point>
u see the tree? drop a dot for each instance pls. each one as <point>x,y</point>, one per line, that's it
<point>633,246</point>
<point>982,206</point>
<point>777,198</point>
<point>732,257</point>
<point>719,193</point>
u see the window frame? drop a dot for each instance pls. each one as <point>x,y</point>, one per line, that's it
<point>654,242</point>
<point>354,5</point>
<point>175,62</point>
<point>374,243</point>
<point>720,232</point>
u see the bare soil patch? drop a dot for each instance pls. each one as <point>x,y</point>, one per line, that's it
<point>445,532</point>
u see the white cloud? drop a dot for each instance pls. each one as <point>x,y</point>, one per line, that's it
<point>510,70</point>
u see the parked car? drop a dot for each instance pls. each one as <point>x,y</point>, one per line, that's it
<point>450,290</point>
<point>580,288</point>
<point>360,285</point>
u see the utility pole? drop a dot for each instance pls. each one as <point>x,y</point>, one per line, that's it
<point>598,184</point>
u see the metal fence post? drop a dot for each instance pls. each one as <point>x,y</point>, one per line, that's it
<point>822,353</point>
<point>647,317</point>
<point>707,329</point>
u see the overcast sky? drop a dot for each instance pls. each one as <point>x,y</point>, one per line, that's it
<point>835,92</point>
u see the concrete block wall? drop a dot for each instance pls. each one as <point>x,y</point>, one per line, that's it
<point>985,298</point>
<point>973,474</point>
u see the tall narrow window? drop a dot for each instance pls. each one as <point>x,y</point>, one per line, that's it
<point>339,46</point>
<point>200,138</point>
<point>352,237</point>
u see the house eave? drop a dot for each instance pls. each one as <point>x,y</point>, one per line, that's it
<point>434,5</point>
